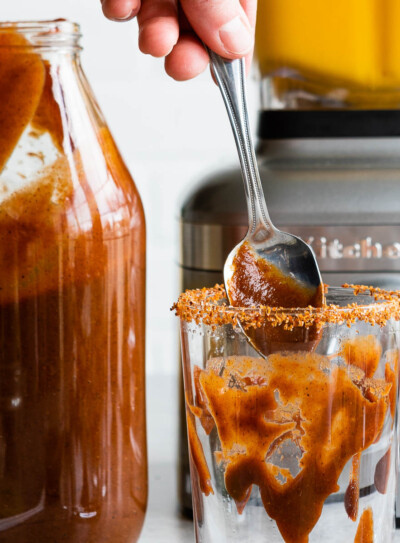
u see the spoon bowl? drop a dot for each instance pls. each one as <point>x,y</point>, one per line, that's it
<point>289,255</point>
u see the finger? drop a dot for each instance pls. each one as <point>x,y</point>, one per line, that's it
<point>120,10</point>
<point>222,24</point>
<point>250,8</point>
<point>187,59</point>
<point>158,27</point>
<point>248,60</point>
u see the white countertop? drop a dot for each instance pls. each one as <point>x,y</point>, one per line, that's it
<point>163,522</point>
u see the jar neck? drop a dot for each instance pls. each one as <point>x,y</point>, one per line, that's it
<point>57,36</point>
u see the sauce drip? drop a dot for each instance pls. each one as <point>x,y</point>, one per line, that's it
<point>22,77</point>
<point>382,472</point>
<point>364,353</point>
<point>197,453</point>
<point>327,413</point>
<point>47,116</point>
<point>365,530</point>
<point>352,494</point>
<point>391,372</point>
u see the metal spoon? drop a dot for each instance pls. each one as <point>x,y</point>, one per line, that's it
<point>287,253</point>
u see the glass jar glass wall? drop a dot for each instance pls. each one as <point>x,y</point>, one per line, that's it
<point>73,465</point>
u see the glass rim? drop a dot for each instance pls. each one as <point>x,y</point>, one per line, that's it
<point>207,306</point>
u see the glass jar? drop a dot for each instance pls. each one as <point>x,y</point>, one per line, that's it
<point>341,53</point>
<point>73,465</point>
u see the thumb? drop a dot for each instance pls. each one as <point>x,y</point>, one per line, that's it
<point>222,25</point>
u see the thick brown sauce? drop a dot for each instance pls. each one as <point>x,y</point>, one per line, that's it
<point>352,494</point>
<point>391,376</point>
<point>72,244</point>
<point>22,76</point>
<point>197,453</point>
<point>365,530</point>
<point>382,472</point>
<point>331,413</point>
<point>364,353</point>
<point>255,282</point>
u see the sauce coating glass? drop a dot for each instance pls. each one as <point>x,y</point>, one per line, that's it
<point>300,447</point>
<point>73,465</point>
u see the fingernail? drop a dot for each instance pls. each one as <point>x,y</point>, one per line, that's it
<point>236,36</point>
<point>126,17</point>
<point>130,15</point>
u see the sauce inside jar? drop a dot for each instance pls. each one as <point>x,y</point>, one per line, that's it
<point>73,463</point>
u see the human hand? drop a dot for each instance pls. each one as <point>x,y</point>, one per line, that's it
<point>172,29</point>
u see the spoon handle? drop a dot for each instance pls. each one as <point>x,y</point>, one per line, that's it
<point>230,76</point>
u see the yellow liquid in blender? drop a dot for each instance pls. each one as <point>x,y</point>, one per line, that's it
<point>353,45</point>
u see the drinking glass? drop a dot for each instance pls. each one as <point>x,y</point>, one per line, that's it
<point>299,446</point>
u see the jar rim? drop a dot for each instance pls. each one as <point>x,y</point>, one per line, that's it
<point>209,306</point>
<point>45,33</point>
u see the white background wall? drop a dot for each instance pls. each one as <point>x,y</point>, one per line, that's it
<point>170,134</point>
